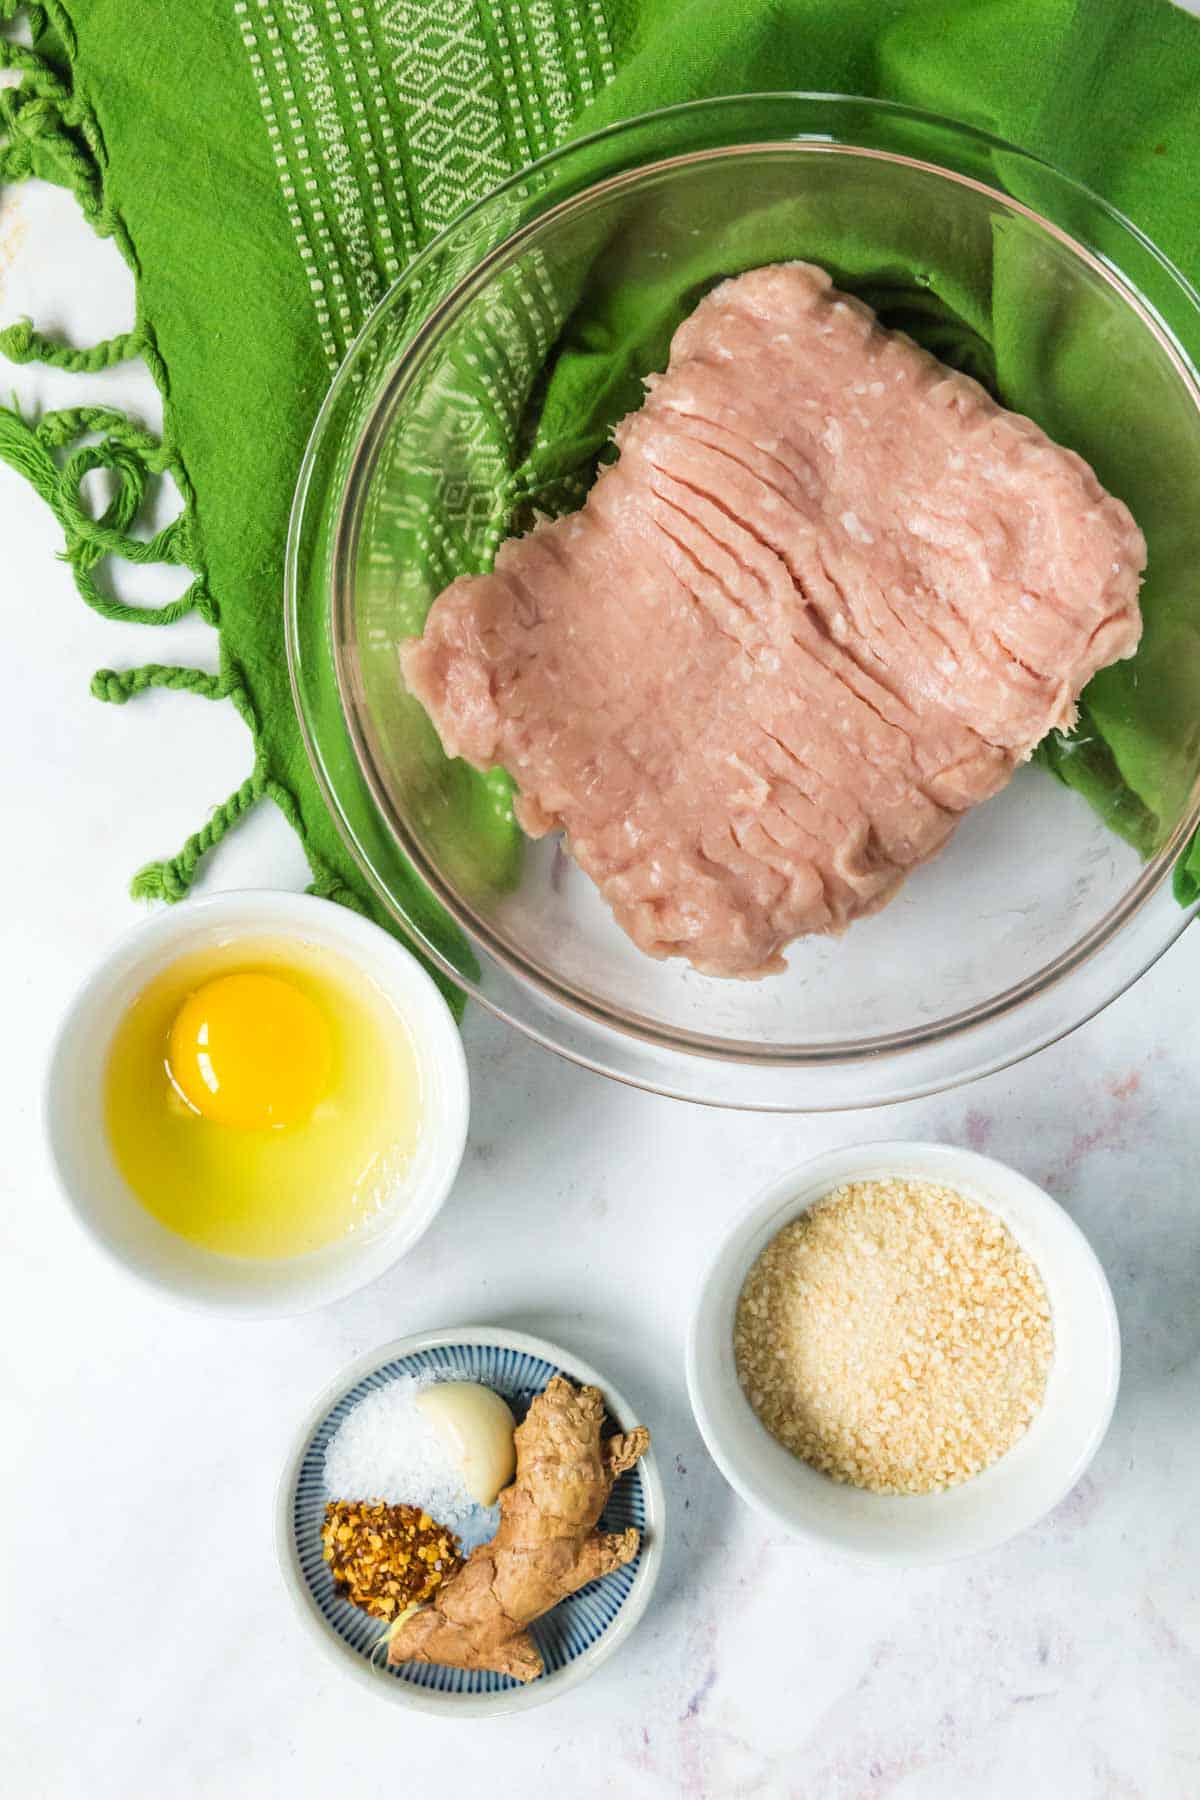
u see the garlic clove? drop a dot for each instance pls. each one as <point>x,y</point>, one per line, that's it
<point>477,1428</point>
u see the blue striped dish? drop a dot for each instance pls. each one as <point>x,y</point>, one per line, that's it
<point>575,1635</point>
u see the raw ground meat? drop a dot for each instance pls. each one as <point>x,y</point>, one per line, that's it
<point>826,600</point>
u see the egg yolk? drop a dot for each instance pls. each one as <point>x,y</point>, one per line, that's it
<point>250,1050</point>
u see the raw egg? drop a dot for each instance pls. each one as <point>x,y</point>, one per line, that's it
<point>251,1050</point>
<point>263,1099</point>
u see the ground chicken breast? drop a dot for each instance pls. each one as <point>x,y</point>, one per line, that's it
<point>827,598</point>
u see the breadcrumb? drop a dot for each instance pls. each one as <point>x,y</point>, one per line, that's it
<point>895,1336</point>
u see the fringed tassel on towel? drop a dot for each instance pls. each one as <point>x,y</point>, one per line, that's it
<point>47,131</point>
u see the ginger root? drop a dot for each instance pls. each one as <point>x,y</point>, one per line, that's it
<point>546,1545</point>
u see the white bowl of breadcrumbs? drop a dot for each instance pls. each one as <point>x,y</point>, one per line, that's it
<point>906,1351</point>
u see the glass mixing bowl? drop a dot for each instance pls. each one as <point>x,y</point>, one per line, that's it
<point>1037,914</point>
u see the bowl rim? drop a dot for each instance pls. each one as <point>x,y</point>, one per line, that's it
<point>506,1700</point>
<point>554,990</point>
<point>259,910</point>
<point>776,1204</point>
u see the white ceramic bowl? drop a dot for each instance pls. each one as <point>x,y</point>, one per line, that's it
<point>580,1634</point>
<point>1014,1492</point>
<point>108,1209</point>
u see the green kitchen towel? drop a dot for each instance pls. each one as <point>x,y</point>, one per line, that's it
<point>268,167</point>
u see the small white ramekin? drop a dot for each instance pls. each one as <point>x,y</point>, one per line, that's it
<point>1008,1497</point>
<point>108,1209</point>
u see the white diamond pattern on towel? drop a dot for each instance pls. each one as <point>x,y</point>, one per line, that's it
<point>452,119</point>
<point>548,60</point>
<point>386,117</point>
<point>339,165</point>
<point>300,223</point>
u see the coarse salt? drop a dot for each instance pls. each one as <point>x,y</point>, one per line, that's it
<point>386,1449</point>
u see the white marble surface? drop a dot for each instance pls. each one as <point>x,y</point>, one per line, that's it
<point>148,1646</point>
